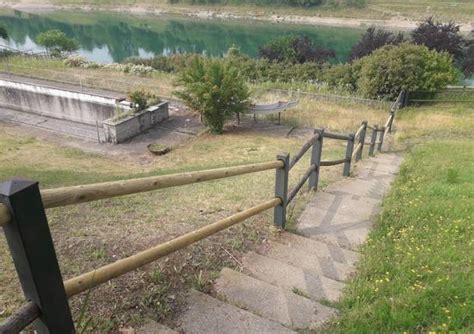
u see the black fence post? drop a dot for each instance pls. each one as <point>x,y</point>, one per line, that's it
<point>381,138</point>
<point>349,149</point>
<point>32,250</point>
<point>361,141</point>
<point>316,160</point>
<point>373,140</point>
<point>281,190</point>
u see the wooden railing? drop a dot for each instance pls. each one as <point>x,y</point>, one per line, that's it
<point>23,218</point>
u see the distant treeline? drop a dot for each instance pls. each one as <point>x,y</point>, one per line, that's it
<point>292,3</point>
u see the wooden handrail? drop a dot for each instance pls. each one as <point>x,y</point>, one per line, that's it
<point>359,131</point>
<point>103,274</point>
<point>332,162</point>
<point>356,150</point>
<point>335,136</point>
<point>22,317</point>
<point>92,192</point>
<point>303,150</point>
<point>300,184</point>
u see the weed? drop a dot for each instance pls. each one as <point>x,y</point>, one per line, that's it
<point>300,292</point>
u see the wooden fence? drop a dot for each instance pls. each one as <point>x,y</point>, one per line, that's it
<point>24,221</point>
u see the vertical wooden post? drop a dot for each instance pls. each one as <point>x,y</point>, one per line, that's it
<point>361,141</point>
<point>349,149</point>
<point>392,118</point>
<point>32,250</point>
<point>316,152</point>
<point>381,138</point>
<point>281,190</point>
<point>373,140</point>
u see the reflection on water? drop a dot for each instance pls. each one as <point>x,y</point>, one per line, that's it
<point>112,37</point>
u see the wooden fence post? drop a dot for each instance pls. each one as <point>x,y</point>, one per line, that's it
<point>316,160</point>
<point>349,149</point>
<point>281,190</point>
<point>381,138</point>
<point>32,250</point>
<point>361,141</point>
<point>392,118</point>
<point>373,140</point>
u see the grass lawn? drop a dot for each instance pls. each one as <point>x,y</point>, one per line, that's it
<point>417,273</point>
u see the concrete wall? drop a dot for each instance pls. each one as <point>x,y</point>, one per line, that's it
<point>57,103</point>
<point>119,131</point>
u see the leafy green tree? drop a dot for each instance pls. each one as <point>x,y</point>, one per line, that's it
<point>215,89</point>
<point>372,40</point>
<point>3,33</point>
<point>56,42</point>
<point>409,67</point>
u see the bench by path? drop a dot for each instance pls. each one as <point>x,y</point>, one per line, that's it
<point>283,287</point>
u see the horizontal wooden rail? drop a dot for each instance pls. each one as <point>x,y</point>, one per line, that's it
<point>101,275</point>
<point>303,150</point>
<point>370,127</point>
<point>19,320</point>
<point>332,162</point>
<point>92,192</point>
<point>356,150</point>
<point>300,184</point>
<point>335,136</point>
<point>389,120</point>
<point>4,215</point>
<point>359,131</point>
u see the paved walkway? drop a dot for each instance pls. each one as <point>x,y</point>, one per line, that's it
<point>283,287</point>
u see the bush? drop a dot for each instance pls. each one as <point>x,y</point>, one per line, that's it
<point>409,67</point>
<point>342,77</point>
<point>215,89</point>
<point>56,42</point>
<point>3,33</point>
<point>140,99</point>
<point>372,40</point>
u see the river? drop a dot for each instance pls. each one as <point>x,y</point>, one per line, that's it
<point>112,37</point>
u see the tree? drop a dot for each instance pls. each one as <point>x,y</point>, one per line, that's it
<point>391,69</point>
<point>56,42</point>
<point>215,89</point>
<point>440,37</point>
<point>295,50</point>
<point>3,33</point>
<point>468,61</point>
<point>372,40</point>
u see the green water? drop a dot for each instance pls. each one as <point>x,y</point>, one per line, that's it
<point>112,37</point>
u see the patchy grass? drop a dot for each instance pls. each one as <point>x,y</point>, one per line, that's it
<point>93,234</point>
<point>416,274</point>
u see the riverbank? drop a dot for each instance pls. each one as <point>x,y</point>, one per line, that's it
<point>335,17</point>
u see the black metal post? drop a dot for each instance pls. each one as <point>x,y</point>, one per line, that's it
<point>281,190</point>
<point>349,149</point>
<point>316,160</point>
<point>373,140</point>
<point>32,250</point>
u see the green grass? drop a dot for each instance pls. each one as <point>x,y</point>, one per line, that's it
<point>416,274</point>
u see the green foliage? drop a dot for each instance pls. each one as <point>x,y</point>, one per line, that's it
<point>342,76</point>
<point>215,89</point>
<point>3,33</point>
<point>140,99</point>
<point>415,275</point>
<point>56,42</point>
<point>388,70</point>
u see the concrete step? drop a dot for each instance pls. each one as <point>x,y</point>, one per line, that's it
<point>307,261</point>
<point>271,302</point>
<point>321,249</point>
<point>206,315</point>
<point>373,189</point>
<point>152,327</point>
<point>291,278</point>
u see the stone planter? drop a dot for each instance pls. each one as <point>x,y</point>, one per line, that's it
<point>120,130</point>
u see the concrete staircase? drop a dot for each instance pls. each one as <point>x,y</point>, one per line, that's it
<point>285,286</point>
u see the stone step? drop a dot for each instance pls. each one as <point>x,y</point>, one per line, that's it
<point>327,204</point>
<point>373,189</point>
<point>350,238</point>
<point>206,314</point>
<point>152,327</point>
<point>291,278</point>
<point>271,302</point>
<point>321,249</point>
<point>307,261</point>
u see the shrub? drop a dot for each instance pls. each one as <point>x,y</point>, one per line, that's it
<point>409,67</point>
<point>440,37</point>
<point>295,50</point>
<point>372,40</point>
<point>138,99</point>
<point>3,33</point>
<point>468,62</point>
<point>342,76</point>
<point>56,42</point>
<point>215,89</point>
